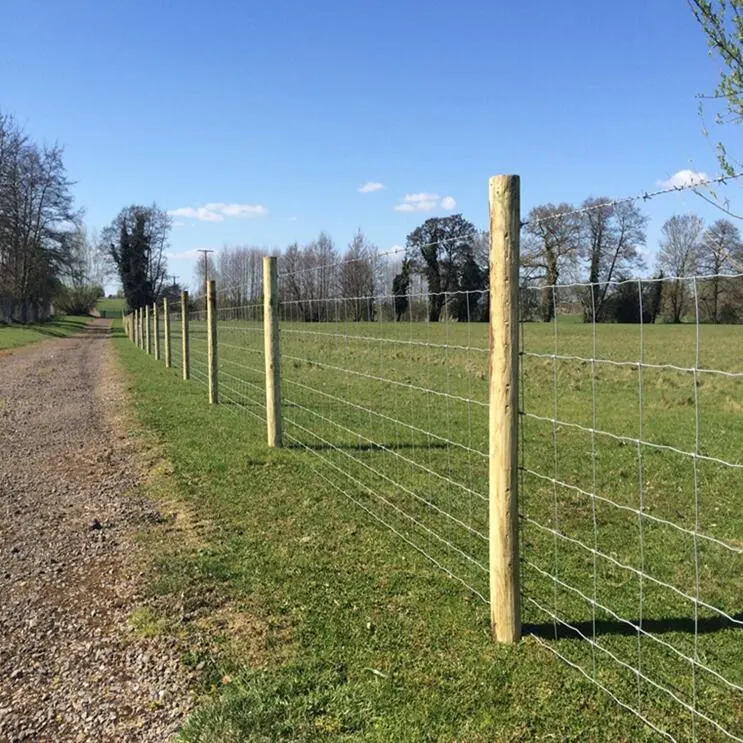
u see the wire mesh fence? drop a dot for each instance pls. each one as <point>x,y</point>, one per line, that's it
<point>393,412</point>
<point>632,534</point>
<point>629,465</point>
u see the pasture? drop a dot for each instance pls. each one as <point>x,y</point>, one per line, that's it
<point>631,519</point>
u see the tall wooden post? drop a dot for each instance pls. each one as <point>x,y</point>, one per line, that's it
<point>156,330</point>
<point>211,321</point>
<point>505,227</point>
<point>166,334</point>
<point>147,333</point>
<point>272,350</point>
<point>140,325</point>
<point>185,345</point>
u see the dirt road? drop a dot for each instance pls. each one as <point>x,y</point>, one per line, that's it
<point>71,667</point>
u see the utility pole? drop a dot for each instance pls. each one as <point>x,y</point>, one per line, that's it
<point>206,268</point>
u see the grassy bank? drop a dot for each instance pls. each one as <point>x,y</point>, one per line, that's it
<point>21,334</point>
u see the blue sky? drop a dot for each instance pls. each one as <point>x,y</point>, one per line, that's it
<point>257,123</point>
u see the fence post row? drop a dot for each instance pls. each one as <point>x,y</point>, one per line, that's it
<point>272,350</point>
<point>185,345</point>
<point>505,226</point>
<point>211,321</point>
<point>156,330</point>
<point>166,333</point>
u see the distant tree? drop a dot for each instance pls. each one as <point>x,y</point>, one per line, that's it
<point>136,242</point>
<point>612,237</point>
<point>400,287</point>
<point>720,252</point>
<point>37,220</point>
<point>552,243</point>
<point>470,303</point>
<point>678,256</point>
<point>356,277</point>
<point>439,248</point>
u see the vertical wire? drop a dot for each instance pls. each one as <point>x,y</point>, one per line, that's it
<point>695,463</point>
<point>641,485</point>
<point>594,427</point>
<point>554,446</point>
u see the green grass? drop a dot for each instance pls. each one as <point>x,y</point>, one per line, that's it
<point>298,540</point>
<point>111,307</point>
<point>21,334</point>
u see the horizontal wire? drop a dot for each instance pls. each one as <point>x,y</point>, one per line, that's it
<point>248,349</point>
<point>633,364</point>
<point>624,566</point>
<point>374,378</point>
<point>638,673</point>
<point>370,411</point>
<point>644,280</point>
<point>386,449</point>
<point>645,196</point>
<point>638,628</point>
<point>381,298</point>
<point>376,339</point>
<point>634,511</point>
<point>380,497</point>
<point>631,440</point>
<point>399,485</point>
<point>381,520</point>
<point>371,259</point>
<point>552,649</point>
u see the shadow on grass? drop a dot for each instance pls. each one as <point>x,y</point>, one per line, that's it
<point>704,626</point>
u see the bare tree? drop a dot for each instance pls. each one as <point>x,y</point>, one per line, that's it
<point>720,251</point>
<point>552,244</point>
<point>356,277</point>
<point>612,238</point>
<point>678,257</point>
<point>37,220</point>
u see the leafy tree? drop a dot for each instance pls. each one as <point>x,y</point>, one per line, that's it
<point>136,242</point>
<point>440,248</point>
<point>679,257</point>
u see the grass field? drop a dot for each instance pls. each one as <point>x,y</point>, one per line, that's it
<point>21,334</point>
<point>386,458</point>
<point>112,307</point>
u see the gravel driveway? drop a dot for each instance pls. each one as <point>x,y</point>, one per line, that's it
<point>71,669</point>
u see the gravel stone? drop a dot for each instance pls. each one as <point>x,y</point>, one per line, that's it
<point>71,669</point>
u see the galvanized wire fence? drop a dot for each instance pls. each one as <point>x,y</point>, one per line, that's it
<point>626,549</point>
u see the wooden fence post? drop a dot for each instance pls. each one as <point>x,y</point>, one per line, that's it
<point>140,324</point>
<point>147,333</point>
<point>156,330</point>
<point>185,345</point>
<point>166,333</point>
<point>505,227</point>
<point>211,321</point>
<point>272,350</point>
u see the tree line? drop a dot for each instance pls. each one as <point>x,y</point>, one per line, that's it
<point>601,246</point>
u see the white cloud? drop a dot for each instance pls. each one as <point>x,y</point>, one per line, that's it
<point>370,187</point>
<point>216,211</point>
<point>179,224</point>
<point>425,202</point>
<point>684,178</point>
<point>418,202</point>
<point>292,219</point>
